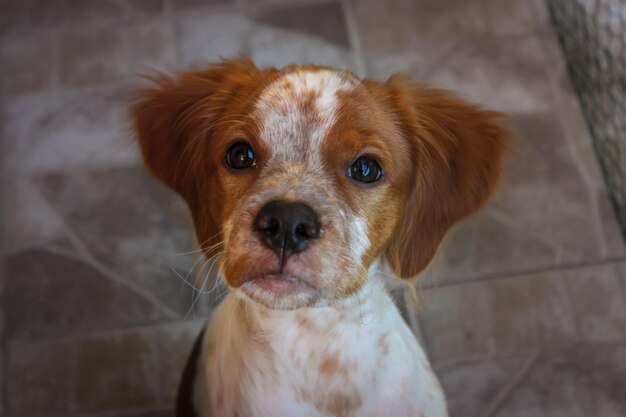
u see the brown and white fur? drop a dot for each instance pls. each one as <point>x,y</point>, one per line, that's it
<point>314,332</point>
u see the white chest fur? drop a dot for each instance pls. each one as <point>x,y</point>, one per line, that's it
<point>355,359</point>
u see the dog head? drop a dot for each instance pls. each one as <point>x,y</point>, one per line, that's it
<point>301,178</point>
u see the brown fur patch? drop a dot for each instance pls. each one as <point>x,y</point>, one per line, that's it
<point>329,365</point>
<point>383,344</point>
<point>340,404</point>
<point>184,126</point>
<point>456,151</point>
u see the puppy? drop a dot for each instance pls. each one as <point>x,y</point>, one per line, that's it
<point>309,185</point>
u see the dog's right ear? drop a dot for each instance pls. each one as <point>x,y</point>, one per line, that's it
<point>458,151</point>
<point>171,118</point>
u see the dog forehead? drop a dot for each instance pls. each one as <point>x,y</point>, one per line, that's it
<point>297,111</point>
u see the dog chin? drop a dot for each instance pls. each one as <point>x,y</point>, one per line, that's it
<point>279,291</point>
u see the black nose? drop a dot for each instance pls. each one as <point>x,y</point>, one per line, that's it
<point>287,227</point>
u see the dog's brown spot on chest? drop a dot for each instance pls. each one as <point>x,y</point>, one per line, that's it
<point>329,366</point>
<point>342,404</point>
<point>383,344</point>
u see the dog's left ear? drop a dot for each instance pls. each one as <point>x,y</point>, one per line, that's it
<point>168,119</point>
<point>174,118</point>
<point>457,151</point>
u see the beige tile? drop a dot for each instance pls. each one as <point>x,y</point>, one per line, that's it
<point>425,28</point>
<point>538,216</point>
<point>210,36</point>
<point>82,128</point>
<point>184,4</point>
<point>540,10</point>
<point>123,373</point>
<point>464,46</point>
<point>511,17</point>
<point>500,316</point>
<point>92,56</point>
<point>526,313</point>
<point>254,4</point>
<point>27,63</point>
<point>457,322</point>
<point>401,24</point>
<point>324,20</point>
<point>27,220</point>
<point>620,272</point>
<point>598,303</point>
<point>579,138</point>
<point>175,343</point>
<point>20,119</point>
<point>38,379</point>
<point>116,372</point>
<point>136,229</point>
<point>574,383</point>
<point>151,47</point>
<point>49,296</point>
<point>531,312</point>
<point>19,17</point>
<point>204,37</point>
<point>472,388</point>
<point>491,243</point>
<point>277,48</point>
<point>82,11</point>
<point>486,72</point>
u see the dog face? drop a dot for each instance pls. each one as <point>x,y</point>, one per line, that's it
<point>301,178</point>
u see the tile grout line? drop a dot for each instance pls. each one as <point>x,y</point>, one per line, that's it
<point>169,16</point>
<point>451,363</point>
<point>505,392</point>
<point>55,76</point>
<point>354,37</point>
<point>522,273</point>
<point>3,350</point>
<point>107,333</point>
<point>620,282</point>
<point>499,215</point>
<point>83,254</point>
<point>426,285</point>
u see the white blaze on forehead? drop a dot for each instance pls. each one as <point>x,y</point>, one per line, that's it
<point>289,127</point>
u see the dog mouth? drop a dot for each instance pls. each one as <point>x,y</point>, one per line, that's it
<point>278,283</point>
<point>277,288</point>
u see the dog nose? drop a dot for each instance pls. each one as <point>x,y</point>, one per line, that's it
<point>287,227</point>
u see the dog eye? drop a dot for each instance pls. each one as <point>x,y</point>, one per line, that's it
<point>365,169</point>
<point>240,156</point>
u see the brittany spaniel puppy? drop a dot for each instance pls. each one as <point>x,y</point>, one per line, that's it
<point>310,185</point>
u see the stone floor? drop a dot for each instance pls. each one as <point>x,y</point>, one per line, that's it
<point>523,312</point>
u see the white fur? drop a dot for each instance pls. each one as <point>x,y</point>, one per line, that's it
<point>285,128</point>
<point>262,361</point>
<point>359,242</point>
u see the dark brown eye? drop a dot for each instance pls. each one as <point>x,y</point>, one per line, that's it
<point>365,169</point>
<point>240,156</point>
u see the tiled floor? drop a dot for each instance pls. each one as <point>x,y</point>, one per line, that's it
<point>524,310</point>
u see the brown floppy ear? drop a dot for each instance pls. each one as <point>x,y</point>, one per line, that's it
<point>174,115</point>
<point>174,118</point>
<point>457,151</point>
